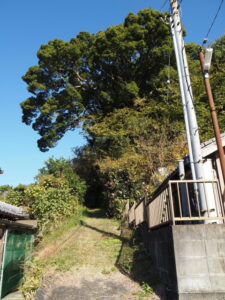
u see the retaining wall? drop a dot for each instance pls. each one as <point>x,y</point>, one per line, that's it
<point>189,260</point>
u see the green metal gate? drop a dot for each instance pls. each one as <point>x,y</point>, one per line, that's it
<point>18,246</point>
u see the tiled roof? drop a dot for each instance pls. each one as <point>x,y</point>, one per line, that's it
<point>12,211</point>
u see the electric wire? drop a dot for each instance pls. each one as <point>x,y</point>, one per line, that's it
<point>164,4</point>
<point>213,22</point>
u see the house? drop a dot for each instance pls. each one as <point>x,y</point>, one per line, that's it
<point>183,229</point>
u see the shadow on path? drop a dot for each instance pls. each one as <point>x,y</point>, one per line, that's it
<point>135,262</point>
<point>106,233</point>
<point>95,213</point>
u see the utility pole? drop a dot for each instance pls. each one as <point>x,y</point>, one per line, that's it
<point>191,125</point>
<point>205,73</point>
<point>186,122</point>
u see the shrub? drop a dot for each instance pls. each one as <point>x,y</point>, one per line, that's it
<point>16,198</point>
<point>50,204</point>
<point>45,204</point>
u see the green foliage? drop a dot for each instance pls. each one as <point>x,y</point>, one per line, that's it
<point>5,188</point>
<point>47,205</point>
<point>121,87</point>
<point>217,74</point>
<point>20,188</point>
<point>60,173</point>
<point>16,198</point>
<point>130,146</point>
<point>79,81</point>
<point>38,266</point>
<point>34,271</point>
<point>50,181</point>
<point>146,291</point>
<point>56,196</point>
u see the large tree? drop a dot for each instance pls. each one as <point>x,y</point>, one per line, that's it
<point>77,83</point>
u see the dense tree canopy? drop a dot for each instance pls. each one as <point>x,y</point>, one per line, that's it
<point>80,81</point>
<point>121,87</point>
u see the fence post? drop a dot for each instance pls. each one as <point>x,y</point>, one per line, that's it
<point>171,203</point>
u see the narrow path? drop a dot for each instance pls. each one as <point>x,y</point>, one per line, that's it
<point>93,249</point>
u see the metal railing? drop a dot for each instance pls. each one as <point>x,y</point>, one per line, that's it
<point>179,203</point>
<point>186,205</point>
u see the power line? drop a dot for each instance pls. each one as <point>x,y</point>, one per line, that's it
<point>213,22</point>
<point>164,4</point>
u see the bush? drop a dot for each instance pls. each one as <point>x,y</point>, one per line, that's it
<point>60,173</point>
<point>45,204</point>
<point>50,204</point>
<point>16,198</point>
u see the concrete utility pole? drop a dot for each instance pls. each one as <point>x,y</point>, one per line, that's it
<point>180,71</point>
<point>187,100</point>
<point>205,73</point>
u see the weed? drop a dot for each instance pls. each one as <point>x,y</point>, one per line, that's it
<point>133,256</point>
<point>105,271</point>
<point>75,242</point>
<point>145,292</point>
<point>48,255</point>
<point>34,270</point>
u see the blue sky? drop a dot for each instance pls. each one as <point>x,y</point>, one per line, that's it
<point>25,25</point>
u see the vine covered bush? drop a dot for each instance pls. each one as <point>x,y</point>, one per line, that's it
<point>47,205</point>
<point>56,195</point>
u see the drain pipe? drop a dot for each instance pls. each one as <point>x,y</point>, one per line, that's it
<point>184,198</point>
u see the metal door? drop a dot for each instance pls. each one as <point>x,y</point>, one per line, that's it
<point>18,246</point>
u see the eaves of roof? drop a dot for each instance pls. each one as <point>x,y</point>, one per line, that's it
<point>12,211</point>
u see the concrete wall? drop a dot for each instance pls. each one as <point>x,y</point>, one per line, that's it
<point>189,260</point>
<point>200,260</point>
<point>159,243</point>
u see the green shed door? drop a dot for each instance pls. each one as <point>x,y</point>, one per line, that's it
<point>17,248</point>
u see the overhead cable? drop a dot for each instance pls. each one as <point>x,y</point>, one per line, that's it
<point>164,4</point>
<point>213,22</point>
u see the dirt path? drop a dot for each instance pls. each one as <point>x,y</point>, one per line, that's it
<point>93,249</point>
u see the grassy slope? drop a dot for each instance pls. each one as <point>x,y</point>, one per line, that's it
<point>88,242</point>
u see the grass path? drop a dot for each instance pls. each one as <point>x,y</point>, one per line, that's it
<point>86,260</point>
